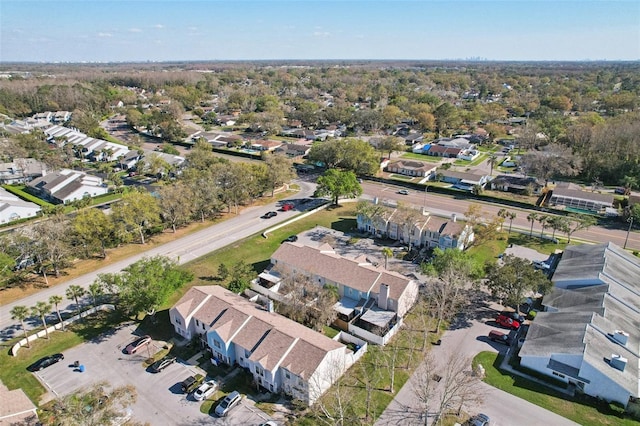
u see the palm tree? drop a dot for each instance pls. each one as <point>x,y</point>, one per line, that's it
<point>387,253</point>
<point>41,309</point>
<point>75,292</point>
<point>54,301</point>
<point>544,222</point>
<point>629,183</point>
<point>95,290</point>
<point>511,216</point>
<point>21,313</point>
<point>493,159</point>
<point>532,217</point>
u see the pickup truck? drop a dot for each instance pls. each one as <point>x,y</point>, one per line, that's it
<point>191,383</point>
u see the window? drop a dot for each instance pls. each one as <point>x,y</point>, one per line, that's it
<point>217,344</point>
<point>203,327</point>
<point>259,371</point>
<point>558,374</point>
<point>287,375</point>
<point>247,354</point>
<point>177,320</point>
<point>197,323</point>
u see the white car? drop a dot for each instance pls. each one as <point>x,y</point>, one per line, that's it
<point>205,390</point>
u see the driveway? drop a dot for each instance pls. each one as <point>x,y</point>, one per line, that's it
<point>467,337</point>
<point>160,400</point>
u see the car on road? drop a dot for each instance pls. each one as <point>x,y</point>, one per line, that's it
<point>191,383</point>
<point>45,362</point>
<point>161,364</point>
<point>205,390</point>
<point>269,423</point>
<point>403,192</point>
<point>269,215</point>
<point>290,239</point>
<point>137,344</point>
<point>480,420</point>
<point>228,403</point>
<point>500,337</point>
<point>506,322</point>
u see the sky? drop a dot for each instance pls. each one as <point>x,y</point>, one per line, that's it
<point>176,30</point>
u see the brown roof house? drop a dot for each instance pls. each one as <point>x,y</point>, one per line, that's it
<point>373,300</point>
<point>282,355</point>
<point>423,230</point>
<point>412,168</point>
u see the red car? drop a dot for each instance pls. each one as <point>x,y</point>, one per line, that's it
<point>287,207</point>
<point>507,322</point>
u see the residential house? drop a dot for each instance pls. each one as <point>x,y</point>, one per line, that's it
<point>589,334</point>
<point>463,180</point>
<point>14,208</point>
<point>413,138</point>
<point>293,150</point>
<point>66,185</point>
<point>516,184</point>
<point>441,151</point>
<point>461,141</point>
<point>85,146</point>
<point>412,168</point>
<point>266,145</point>
<point>578,199</point>
<point>21,170</point>
<point>427,230</point>
<point>373,301</point>
<point>468,154</point>
<point>282,355</point>
<point>46,116</point>
<point>61,117</point>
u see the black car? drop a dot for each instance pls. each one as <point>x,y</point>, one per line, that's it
<point>45,362</point>
<point>161,364</point>
<point>290,239</point>
<point>269,215</point>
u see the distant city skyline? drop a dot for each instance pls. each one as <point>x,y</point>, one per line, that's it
<point>219,30</point>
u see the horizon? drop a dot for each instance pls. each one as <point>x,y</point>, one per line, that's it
<point>164,31</point>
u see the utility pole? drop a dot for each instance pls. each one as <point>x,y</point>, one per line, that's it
<point>630,220</point>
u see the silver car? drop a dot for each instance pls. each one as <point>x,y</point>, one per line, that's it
<point>228,403</point>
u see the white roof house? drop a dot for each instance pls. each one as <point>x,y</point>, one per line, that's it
<point>282,355</point>
<point>66,185</point>
<point>13,208</point>
<point>589,335</point>
<point>21,170</point>
<point>95,149</point>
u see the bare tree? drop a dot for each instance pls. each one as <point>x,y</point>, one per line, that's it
<point>554,160</point>
<point>407,217</point>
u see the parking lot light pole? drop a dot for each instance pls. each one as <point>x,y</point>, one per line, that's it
<point>630,220</point>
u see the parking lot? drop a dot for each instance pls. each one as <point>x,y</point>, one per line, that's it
<point>160,400</point>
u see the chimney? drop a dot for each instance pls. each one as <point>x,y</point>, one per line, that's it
<point>383,297</point>
<point>618,362</point>
<point>270,305</point>
<point>454,217</point>
<point>621,337</point>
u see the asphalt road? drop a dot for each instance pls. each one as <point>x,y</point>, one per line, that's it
<point>439,204</point>
<point>183,250</point>
<point>465,339</point>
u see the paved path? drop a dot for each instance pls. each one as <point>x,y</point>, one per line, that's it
<point>468,337</point>
<point>183,250</point>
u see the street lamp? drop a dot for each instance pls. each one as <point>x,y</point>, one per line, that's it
<point>630,220</point>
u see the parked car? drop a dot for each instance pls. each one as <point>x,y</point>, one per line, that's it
<point>191,383</point>
<point>161,364</point>
<point>480,420</point>
<point>286,207</point>
<point>269,215</point>
<point>269,423</point>
<point>513,315</point>
<point>403,192</point>
<point>137,344</point>
<point>45,362</point>
<point>205,390</point>
<point>228,403</point>
<point>500,337</point>
<point>507,322</point>
<point>290,239</point>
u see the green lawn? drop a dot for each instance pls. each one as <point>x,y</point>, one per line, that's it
<point>13,372</point>
<point>537,243</point>
<point>422,157</point>
<point>465,163</point>
<point>402,177</point>
<point>19,191</point>
<point>583,410</point>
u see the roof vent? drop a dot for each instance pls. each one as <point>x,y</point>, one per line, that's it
<point>618,362</point>
<point>621,337</point>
